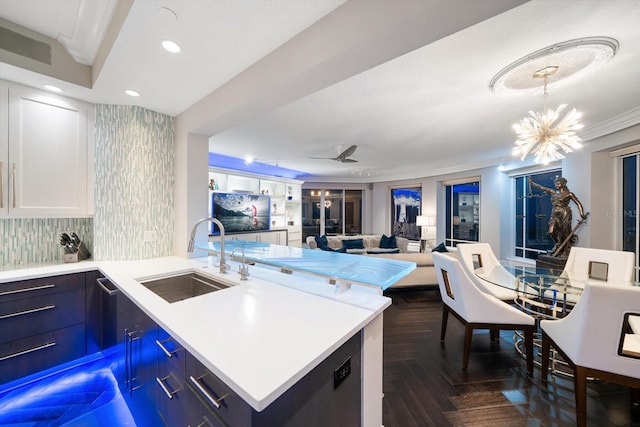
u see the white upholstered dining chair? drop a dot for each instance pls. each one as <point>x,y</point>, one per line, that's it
<point>477,309</point>
<point>474,255</point>
<point>585,264</point>
<point>591,339</point>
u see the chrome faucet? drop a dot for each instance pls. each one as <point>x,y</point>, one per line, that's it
<point>243,270</point>
<point>224,267</point>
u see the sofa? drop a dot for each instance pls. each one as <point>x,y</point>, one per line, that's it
<point>423,275</point>
<point>359,244</point>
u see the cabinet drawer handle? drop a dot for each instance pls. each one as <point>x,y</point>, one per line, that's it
<point>215,402</point>
<point>164,387</point>
<point>30,350</point>
<point>35,288</point>
<point>103,284</point>
<point>33,310</point>
<point>165,349</point>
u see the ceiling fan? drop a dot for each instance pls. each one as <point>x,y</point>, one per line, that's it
<point>342,157</point>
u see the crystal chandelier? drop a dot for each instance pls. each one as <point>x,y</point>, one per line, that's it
<point>538,135</point>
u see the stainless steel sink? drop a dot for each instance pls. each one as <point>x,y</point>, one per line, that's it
<point>183,286</point>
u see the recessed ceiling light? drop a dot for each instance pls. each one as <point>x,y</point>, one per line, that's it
<point>248,160</point>
<point>131,92</point>
<point>170,46</point>
<point>53,88</point>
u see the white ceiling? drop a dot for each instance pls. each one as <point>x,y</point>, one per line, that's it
<point>411,90</point>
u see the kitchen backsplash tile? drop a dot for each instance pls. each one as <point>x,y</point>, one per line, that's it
<point>134,183</point>
<point>33,241</point>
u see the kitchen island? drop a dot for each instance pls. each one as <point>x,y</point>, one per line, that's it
<point>262,336</point>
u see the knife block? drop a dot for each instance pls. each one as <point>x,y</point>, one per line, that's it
<point>81,254</point>
<point>71,257</point>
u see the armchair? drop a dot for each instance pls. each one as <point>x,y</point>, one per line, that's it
<point>477,309</point>
<point>591,339</point>
<point>600,264</point>
<point>474,255</point>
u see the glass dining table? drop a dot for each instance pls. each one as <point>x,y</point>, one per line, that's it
<point>542,293</point>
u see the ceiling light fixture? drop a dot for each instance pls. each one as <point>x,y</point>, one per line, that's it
<point>131,92</point>
<point>248,160</point>
<point>538,135</point>
<point>171,46</point>
<point>53,88</point>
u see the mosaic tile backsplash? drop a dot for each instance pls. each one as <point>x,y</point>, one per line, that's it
<point>134,183</point>
<point>34,241</point>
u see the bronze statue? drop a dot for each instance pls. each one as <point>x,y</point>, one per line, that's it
<point>560,223</point>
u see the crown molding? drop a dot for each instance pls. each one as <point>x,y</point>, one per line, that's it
<point>614,124</point>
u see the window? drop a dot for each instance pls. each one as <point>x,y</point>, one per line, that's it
<point>405,205</point>
<point>331,212</point>
<point>462,213</point>
<point>532,215</point>
<point>630,201</point>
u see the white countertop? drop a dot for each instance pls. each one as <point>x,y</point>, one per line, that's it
<point>259,337</point>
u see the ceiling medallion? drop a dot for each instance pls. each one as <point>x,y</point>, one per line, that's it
<point>538,135</point>
<point>573,56</point>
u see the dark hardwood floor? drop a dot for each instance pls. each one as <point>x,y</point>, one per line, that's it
<point>425,385</point>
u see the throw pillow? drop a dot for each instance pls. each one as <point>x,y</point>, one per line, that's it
<point>440,248</point>
<point>352,244</point>
<point>388,242</point>
<point>321,241</point>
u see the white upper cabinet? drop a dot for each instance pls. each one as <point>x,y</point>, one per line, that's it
<point>4,149</point>
<point>45,155</point>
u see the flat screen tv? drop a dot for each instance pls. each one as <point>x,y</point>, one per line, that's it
<point>240,212</point>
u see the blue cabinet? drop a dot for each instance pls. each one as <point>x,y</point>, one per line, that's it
<point>42,324</point>
<point>135,361</point>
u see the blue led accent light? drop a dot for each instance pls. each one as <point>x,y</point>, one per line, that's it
<point>367,270</point>
<point>227,162</point>
<point>82,393</point>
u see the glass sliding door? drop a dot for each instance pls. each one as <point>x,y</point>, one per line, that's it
<point>310,213</point>
<point>353,211</point>
<point>331,212</point>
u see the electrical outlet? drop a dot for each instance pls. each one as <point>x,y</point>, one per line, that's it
<point>150,236</point>
<point>341,373</point>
